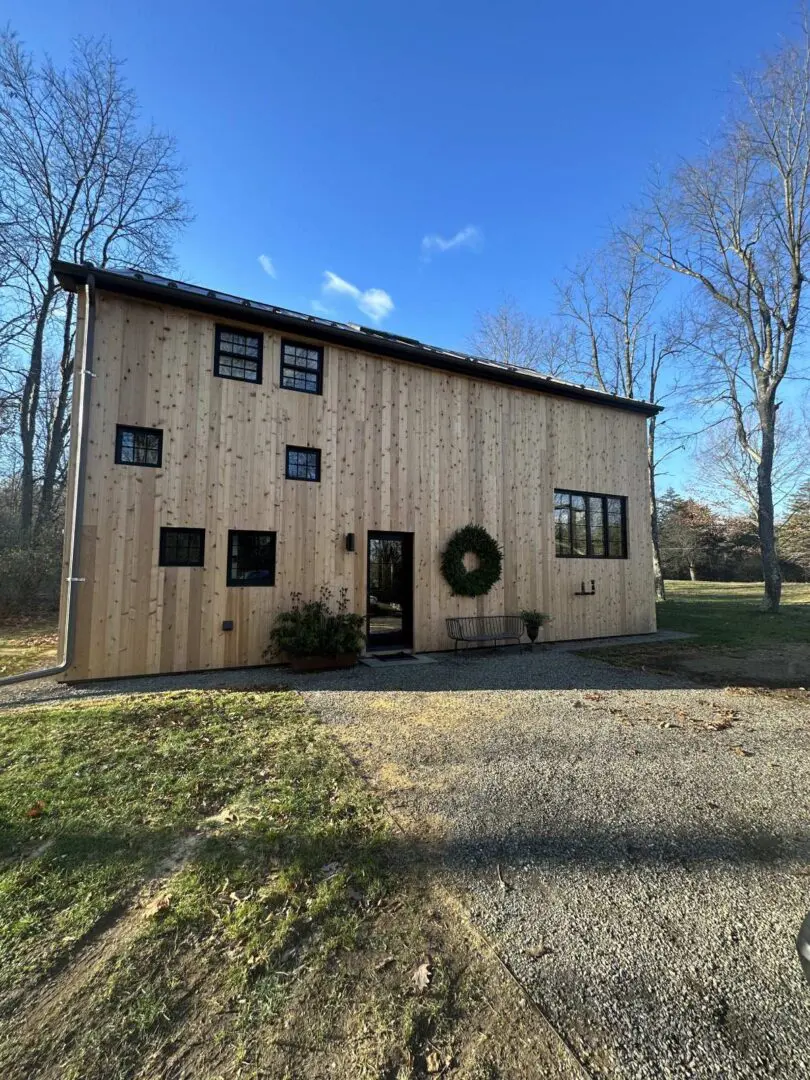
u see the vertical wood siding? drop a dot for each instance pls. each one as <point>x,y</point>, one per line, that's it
<point>404,448</point>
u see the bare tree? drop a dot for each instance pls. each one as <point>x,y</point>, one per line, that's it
<point>80,179</point>
<point>728,472</point>
<point>735,223</point>
<point>510,336</point>
<point>622,343</point>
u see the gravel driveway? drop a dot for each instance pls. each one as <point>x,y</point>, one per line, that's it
<point>640,855</point>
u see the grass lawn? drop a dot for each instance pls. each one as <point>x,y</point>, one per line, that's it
<point>728,613</point>
<point>733,641</point>
<point>26,645</point>
<point>199,884</point>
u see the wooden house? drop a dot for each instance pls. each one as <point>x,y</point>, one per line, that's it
<point>227,453</point>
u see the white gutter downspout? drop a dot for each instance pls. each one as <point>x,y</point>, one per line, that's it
<point>75,526</point>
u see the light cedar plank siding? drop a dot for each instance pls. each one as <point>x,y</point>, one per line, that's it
<point>403,448</point>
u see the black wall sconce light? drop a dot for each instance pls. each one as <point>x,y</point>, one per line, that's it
<point>350,541</point>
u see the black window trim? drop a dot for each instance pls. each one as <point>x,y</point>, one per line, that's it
<point>294,343</point>
<point>259,336</point>
<point>135,429</point>
<point>229,581</point>
<point>164,532</point>
<point>303,450</point>
<point>604,496</point>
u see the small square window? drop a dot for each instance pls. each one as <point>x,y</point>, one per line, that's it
<point>138,446</point>
<point>251,558</point>
<point>301,367</point>
<point>182,547</point>
<point>238,354</point>
<point>303,463</point>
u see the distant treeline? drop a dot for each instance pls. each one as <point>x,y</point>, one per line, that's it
<point>700,543</point>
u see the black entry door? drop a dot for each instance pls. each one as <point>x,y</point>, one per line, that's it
<point>390,590</point>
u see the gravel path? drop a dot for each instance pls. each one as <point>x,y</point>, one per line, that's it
<point>651,839</point>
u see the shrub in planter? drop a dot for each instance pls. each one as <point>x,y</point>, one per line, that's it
<point>314,635</point>
<point>533,620</point>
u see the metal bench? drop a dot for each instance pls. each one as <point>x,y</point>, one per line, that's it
<point>479,628</point>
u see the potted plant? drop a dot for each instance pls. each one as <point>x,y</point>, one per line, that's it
<point>533,620</point>
<point>316,638</point>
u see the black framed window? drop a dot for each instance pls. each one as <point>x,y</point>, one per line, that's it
<point>301,367</point>
<point>182,547</point>
<point>138,446</point>
<point>251,557</point>
<point>238,354</point>
<point>303,463</point>
<point>590,526</point>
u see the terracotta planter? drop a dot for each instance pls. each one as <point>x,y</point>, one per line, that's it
<point>323,663</point>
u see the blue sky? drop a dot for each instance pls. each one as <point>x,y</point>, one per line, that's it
<point>336,137</point>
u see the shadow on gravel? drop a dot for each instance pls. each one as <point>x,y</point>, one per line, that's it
<point>507,668</point>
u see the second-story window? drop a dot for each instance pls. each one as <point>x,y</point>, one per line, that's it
<point>301,367</point>
<point>303,463</point>
<point>238,354</point>
<point>138,446</point>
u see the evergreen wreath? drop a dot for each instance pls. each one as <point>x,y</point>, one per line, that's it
<point>477,541</point>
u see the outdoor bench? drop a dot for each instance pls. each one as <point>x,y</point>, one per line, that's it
<point>479,628</point>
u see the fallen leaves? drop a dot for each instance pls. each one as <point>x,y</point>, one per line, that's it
<point>423,975</point>
<point>37,810</point>
<point>539,950</point>
<point>505,886</point>
<point>740,751</point>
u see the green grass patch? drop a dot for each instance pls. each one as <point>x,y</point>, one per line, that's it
<point>728,613</point>
<point>96,798</point>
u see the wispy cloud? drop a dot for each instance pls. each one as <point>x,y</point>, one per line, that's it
<point>469,237</point>
<point>376,303</point>
<point>321,309</point>
<point>266,263</point>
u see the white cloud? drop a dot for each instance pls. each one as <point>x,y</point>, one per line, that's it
<point>469,237</point>
<point>376,303</point>
<point>266,263</point>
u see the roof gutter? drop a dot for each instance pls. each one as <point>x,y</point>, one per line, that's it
<point>85,375</point>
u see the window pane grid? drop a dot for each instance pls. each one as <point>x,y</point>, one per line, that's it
<point>303,463</point>
<point>590,526</point>
<point>138,446</point>
<point>182,547</point>
<point>238,355</point>
<point>301,367</point>
<point>251,558</point>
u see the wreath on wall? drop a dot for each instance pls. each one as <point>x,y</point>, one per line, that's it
<point>473,540</point>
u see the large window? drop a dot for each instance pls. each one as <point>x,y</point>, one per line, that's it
<point>238,354</point>
<point>301,367</point>
<point>182,547</point>
<point>303,463</point>
<point>138,446</point>
<point>251,558</point>
<point>588,526</point>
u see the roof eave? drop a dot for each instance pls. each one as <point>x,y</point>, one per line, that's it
<point>71,276</point>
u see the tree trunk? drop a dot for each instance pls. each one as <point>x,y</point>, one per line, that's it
<point>29,410</point>
<point>692,572</point>
<point>658,573</point>
<point>771,570</point>
<point>59,427</point>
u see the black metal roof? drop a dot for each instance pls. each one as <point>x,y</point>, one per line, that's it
<point>144,286</point>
